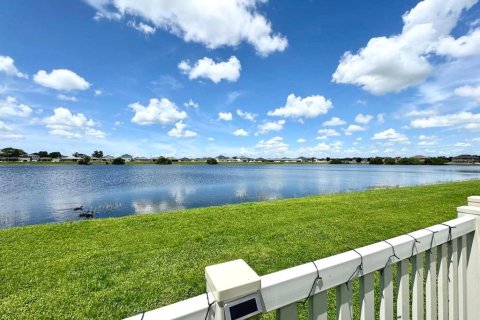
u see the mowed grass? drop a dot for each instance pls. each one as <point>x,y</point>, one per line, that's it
<point>114,268</point>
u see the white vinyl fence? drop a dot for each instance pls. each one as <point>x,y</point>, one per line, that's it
<point>441,262</point>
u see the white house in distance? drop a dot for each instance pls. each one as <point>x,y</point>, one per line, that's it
<point>28,158</point>
<point>127,158</point>
<point>108,158</point>
<point>71,159</point>
<point>142,159</point>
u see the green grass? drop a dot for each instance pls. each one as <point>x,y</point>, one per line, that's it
<point>113,268</point>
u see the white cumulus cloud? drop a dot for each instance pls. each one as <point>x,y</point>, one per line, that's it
<point>321,147</point>
<point>381,117</point>
<point>66,124</point>
<point>469,92</point>
<point>94,133</point>
<point>298,107</point>
<point>7,132</point>
<point>142,27</point>
<point>272,146</point>
<point>353,128</point>
<point>9,107</point>
<point>215,71</point>
<point>240,133</point>
<point>7,66</point>
<point>467,120</point>
<point>363,119</point>
<point>66,98</point>
<point>247,115</point>
<point>392,64</point>
<point>390,135</point>
<point>180,132</point>
<point>335,121</point>
<point>61,79</point>
<point>462,144</point>
<point>225,116</point>
<point>467,45</point>
<point>270,126</point>
<point>328,132</point>
<point>211,23</point>
<point>191,104</point>
<point>161,111</point>
<point>425,140</point>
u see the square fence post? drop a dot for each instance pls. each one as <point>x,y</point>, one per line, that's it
<point>473,258</point>
<point>235,289</point>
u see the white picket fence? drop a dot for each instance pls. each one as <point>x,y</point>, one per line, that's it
<point>443,262</point>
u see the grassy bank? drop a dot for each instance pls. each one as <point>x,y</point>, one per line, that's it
<point>114,268</point>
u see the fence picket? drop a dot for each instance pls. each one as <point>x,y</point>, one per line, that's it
<point>453,280</point>
<point>417,287</point>
<point>367,297</point>
<point>344,302</point>
<point>442,282</point>
<point>318,305</point>
<point>462,279</point>
<point>431,284</point>
<point>386,294</point>
<point>403,304</point>
<point>288,312</point>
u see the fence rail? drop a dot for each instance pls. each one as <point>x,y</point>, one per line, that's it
<point>441,261</point>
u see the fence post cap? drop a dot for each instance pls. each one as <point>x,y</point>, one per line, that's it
<point>474,201</point>
<point>233,279</point>
<point>469,210</point>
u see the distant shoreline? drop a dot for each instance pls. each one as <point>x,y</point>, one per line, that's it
<point>224,163</point>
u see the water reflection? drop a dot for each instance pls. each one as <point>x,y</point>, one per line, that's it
<point>39,194</point>
<point>147,206</point>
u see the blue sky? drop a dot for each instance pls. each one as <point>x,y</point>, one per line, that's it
<point>241,77</point>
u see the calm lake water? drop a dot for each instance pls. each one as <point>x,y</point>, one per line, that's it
<point>32,194</point>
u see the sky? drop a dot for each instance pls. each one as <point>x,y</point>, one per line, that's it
<point>260,78</point>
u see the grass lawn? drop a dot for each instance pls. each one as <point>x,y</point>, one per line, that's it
<point>114,268</point>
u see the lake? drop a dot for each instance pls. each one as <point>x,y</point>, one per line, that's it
<point>33,194</point>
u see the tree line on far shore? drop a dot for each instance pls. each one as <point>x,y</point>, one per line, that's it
<point>393,161</point>
<point>13,154</point>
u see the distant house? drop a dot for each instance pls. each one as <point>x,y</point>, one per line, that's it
<point>305,159</point>
<point>286,160</point>
<point>96,159</point>
<point>108,158</point>
<point>142,159</point>
<point>420,158</point>
<point>127,158</point>
<point>70,159</point>
<point>465,159</point>
<point>184,160</point>
<point>28,158</point>
<point>24,158</point>
<point>5,159</point>
<point>45,159</point>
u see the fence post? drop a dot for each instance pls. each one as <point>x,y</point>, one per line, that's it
<point>473,258</point>
<point>234,287</point>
